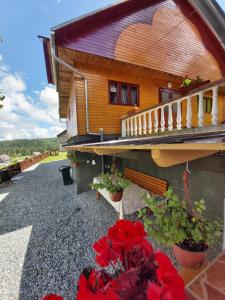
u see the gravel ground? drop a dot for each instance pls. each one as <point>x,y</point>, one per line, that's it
<point>46,234</point>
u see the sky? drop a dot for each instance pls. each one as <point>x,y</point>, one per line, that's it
<point>31,104</point>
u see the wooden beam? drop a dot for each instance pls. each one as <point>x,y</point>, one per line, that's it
<point>169,158</point>
<point>108,151</point>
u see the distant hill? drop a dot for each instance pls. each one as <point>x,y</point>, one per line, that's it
<point>27,147</point>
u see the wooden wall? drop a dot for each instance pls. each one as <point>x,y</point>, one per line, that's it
<point>107,116</point>
<point>179,51</point>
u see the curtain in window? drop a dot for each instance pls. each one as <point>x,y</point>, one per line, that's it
<point>133,95</point>
<point>124,94</point>
<point>113,92</point>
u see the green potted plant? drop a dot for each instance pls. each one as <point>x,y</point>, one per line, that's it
<point>189,84</point>
<point>184,228</point>
<point>71,155</point>
<point>114,183</point>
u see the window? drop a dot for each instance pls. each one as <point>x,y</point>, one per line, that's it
<point>122,93</point>
<point>207,104</point>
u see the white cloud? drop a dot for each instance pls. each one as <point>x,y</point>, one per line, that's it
<point>22,114</point>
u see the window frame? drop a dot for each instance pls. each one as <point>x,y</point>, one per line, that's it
<point>206,99</point>
<point>118,96</point>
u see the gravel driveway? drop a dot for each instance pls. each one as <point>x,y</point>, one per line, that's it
<point>46,234</point>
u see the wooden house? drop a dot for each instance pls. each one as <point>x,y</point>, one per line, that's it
<point>119,73</point>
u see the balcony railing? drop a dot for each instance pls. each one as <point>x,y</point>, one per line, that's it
<point>160,118</point>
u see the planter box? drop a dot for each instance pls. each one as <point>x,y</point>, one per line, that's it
<point>195,85</point>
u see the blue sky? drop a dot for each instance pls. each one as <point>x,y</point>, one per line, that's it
<point>31,108</point>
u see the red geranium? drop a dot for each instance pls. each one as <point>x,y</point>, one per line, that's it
<point>139,273</point>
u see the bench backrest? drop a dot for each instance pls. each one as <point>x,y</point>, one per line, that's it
<point>150,183</point>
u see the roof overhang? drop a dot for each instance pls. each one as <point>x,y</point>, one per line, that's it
<point>166,151</point>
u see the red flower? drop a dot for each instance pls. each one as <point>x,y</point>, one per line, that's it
<point>52,297</point>
<point>96,287</point>
<point>106,251</point>
<point>170,281</point>
<point>128,233</point>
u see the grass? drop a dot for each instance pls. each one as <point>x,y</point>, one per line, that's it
<point>61,156</point>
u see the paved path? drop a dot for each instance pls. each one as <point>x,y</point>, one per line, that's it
<point>46,234</point>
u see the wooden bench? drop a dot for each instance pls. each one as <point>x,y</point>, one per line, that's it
<point>152,184</point>
<point>132,199</point>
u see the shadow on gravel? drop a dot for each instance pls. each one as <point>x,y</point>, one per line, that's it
<point>64,227</point>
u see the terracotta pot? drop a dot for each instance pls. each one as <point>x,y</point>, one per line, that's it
<point>189,259</point>
<point>133,111</point>
<point>77,164</point>
<point>116,197</point>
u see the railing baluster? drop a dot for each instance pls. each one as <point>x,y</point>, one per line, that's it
<point>131,126</point>
<point>162,119</point>
<point>135,125</point>
<point>189,113</point>
<point>179,119</point>
<point>144,124</point>
<point>140,125</point>
<point>215,106</point>
<point>156,121</point>
<point>124,128</point>
<point>128,127</point>
<point>200,109</point>
<point>170,118</point>
<point>150,122</point>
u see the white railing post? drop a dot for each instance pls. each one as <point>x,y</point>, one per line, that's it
<point>200,109</point>
<point>128,126</point>
<point>170,118</point>
<point>162,119</point>
<point>124,128</point>
<point>144,123</point>
<point>135,126</point>
<point>150,122</point>
<point>156,121</point>
<point>131,126</point>
<point>189,113</point>
<point>140,125</point>
<point>215,105</point>
<point>179,119</point>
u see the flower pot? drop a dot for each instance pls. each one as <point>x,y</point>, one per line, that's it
<point>189,258</point>
<point>76,164</point>
<point>134,111</point>
<point>116,197</point>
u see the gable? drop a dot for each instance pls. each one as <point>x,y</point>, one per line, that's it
<point>165,35</point>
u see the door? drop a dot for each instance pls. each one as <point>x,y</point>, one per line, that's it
<point>166,94</point>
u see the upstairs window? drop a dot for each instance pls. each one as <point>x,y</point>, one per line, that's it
<point>122,93</point>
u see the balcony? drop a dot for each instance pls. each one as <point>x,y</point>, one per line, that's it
<point>177,114</point>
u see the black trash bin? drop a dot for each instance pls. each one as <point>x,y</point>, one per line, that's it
<point>65,170</point>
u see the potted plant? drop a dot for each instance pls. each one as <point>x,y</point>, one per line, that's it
<point>71,155</point>
<point>189,84</point>
<point>184,228</point>
<point>114,183</point>
<point>136,272</point>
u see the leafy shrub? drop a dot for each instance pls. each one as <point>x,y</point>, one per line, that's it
<point>173,223</point>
